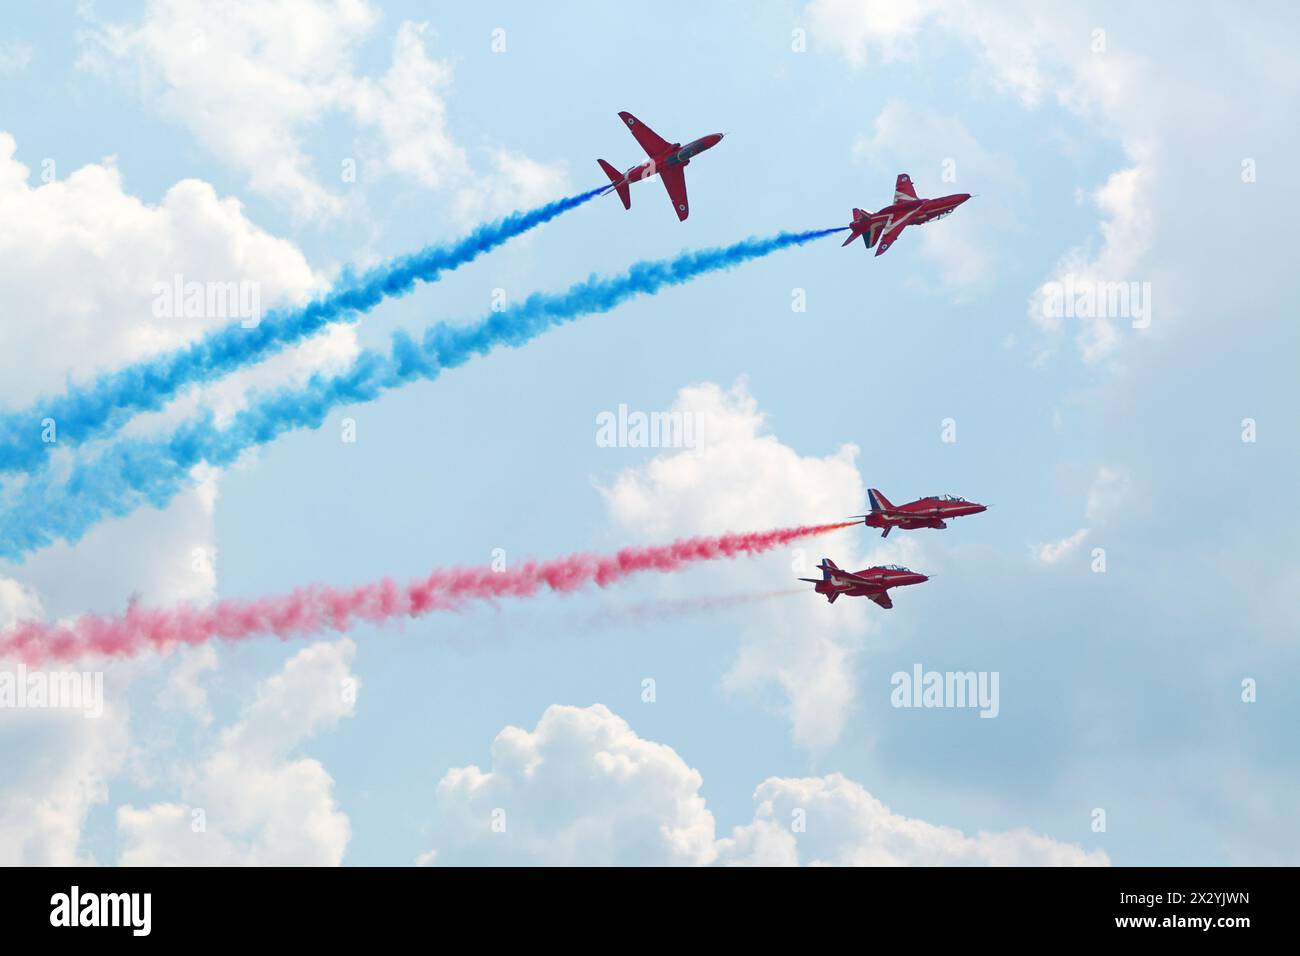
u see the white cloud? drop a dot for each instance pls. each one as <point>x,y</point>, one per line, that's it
<point>18,602</point>
<point>580,789</point>
<point>736,478</point>
<point>250,79</point>
<point>1054,552</point>
<point>80,259</point>
<point>1126,231</point>
<point>260,804</point>
<point>859,29</point>
<point>58,761</point>
<point>407,106</point>
<point>841,824</point>
<point>584,789</point>
<point>513,181</point>
<point>58,764</point>
<point>246,79</point>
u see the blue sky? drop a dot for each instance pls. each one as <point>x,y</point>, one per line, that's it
<point>1114,156</point>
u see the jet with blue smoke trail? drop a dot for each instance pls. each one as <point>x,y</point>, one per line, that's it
<point>137,471</point>
<point>101,407</point>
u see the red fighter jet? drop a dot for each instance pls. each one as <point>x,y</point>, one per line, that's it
<point>930,512</point>
<point>871,583</point>
<point>881,229</point>
<point>667,159</point>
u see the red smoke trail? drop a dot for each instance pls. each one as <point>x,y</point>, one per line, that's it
<point>318,608</point>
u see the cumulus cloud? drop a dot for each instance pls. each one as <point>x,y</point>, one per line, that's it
<point>583,788</point>
<point>834,821</point>
<point>58,767</point>
<point>58,761</point>
<point>252,801</point>
<point>408,108</point>
<point>736,478</point>
<point>244,78</point>
<point>250,79</point>
<point>579,789</point>
<point>80,260</point>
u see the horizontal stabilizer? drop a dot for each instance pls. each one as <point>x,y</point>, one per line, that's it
<point>619,183</point>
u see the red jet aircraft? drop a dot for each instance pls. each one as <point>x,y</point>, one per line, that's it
<point>927,512</point>
<point>666,159</point>
<point>871,583</point>
<point>881,229</point>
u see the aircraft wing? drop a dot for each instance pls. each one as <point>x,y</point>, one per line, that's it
<point>653,144</point>
<point>882,599</point>
<point>889,236</point>
<point>674,178</point>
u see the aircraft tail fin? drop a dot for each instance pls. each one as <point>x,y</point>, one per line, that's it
<point>616,178</point>
<point>858,227</point>
<point>878,501</point>
<point>903,189</point>
<point>827,567</point>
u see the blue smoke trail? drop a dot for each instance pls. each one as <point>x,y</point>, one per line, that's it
<point>132,472</point>
<point>104,405</point>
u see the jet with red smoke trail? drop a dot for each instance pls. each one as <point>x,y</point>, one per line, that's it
<point>881,229</point>
<point>873,583</point>
<point>668,160</point>
<point>932,511</point>
<point>318,608</point>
